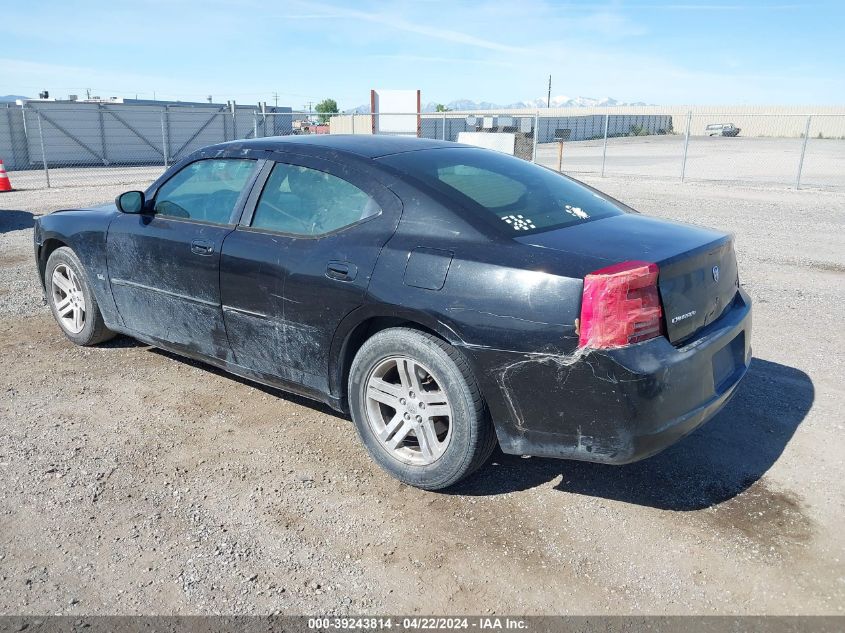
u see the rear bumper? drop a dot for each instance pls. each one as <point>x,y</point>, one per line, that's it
<point>622,405</point>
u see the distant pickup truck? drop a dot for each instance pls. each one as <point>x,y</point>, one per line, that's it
<point>721,129</point>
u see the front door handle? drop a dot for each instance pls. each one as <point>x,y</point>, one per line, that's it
<point>202,247</point>
<point>343,271</point>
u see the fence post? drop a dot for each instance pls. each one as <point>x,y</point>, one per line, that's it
<point>444,127</point>
<point>686,146</point>
<point>536,137</point>
<point>263,119</point>
<point>165,150</point>
<point>604,149</point>
<point>102,133</point>
<point>234,121</point>
<point>803,151</point>
<point>43,153</point>
<point>255,124</point>
<point>353,123</point>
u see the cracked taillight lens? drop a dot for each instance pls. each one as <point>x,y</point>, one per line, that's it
<point>620,305</point>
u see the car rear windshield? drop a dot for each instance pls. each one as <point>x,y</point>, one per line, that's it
<point>512,194</point>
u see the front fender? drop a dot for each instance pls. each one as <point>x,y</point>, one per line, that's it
<point>84,231</point>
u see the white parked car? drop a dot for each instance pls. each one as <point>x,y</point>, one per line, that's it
<point>722,129</point>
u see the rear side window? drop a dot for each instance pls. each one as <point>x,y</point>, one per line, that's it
<point>206,190</point>
<point>302,201</point>
<point>514,195</point>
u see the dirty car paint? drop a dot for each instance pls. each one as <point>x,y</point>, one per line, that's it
<point>267,306</point>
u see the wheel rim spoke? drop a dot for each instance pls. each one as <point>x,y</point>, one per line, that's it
<point>64,284</point>
<point>385,392</point>
<point>432,398</point>
<point>64,306</point>
<point>408,374</point>
<point>390,428</point>
<point>427,437</point>
<point>400,435</point>
<point>438,410</point>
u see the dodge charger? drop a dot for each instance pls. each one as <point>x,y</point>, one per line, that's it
<point>448,298</point>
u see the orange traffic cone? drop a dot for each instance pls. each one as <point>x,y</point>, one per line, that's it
<point>5,184</point>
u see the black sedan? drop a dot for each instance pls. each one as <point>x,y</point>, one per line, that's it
<point>447,297</point>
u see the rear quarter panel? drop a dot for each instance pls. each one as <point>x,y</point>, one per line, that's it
<point>509,307</point>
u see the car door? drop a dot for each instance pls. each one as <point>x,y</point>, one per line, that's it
<point>164,263</point>
<point>299,262</point>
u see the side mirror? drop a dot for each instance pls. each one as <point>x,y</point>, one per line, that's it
<point>130,202</point>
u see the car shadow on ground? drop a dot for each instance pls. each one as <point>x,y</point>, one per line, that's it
<point>271,391</point>
<point>12,220</point>
<point>715,463</point>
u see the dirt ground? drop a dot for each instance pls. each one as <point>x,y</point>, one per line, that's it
<point>135,482</point>
<point>740,160</point>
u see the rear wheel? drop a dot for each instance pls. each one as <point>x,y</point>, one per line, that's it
<point>71,300</point>
<point>418,409</point>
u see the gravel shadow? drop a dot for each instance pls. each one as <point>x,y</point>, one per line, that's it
<point>13,220</point>
<point>271,391</point>
<point>715,463</point>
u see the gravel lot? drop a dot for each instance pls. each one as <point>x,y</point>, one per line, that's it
<point>134,482</point>
<point>747,160</point>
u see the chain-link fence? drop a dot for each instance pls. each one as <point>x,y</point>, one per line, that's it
<point>57,145</point>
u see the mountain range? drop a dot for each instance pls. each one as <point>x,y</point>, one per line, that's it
<point>560,101</point>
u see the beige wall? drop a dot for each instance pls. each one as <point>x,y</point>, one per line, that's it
<point>774,121</point>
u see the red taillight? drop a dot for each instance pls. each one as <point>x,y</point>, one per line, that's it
<point>620,306</point>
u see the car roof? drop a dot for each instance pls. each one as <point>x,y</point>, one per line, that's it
<point>366,145</point>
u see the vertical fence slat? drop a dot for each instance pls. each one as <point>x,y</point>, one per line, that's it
<point>686,147</point>
<point>803,151</point>
<point>604,148</point>
<point>165,149</point>
<point>102,133</point>
<point>43,153</point>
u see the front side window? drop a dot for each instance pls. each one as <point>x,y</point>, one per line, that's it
<point>302,201</point>
<point>206,190</point>
<point>515,196</point>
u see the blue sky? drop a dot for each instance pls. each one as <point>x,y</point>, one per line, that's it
<point>690,51</point>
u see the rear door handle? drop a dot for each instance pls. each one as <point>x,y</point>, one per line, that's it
<point>202,247</point>
<point>344,271</point>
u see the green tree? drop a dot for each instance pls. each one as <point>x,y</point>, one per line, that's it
<point>326,107</point>
<point>441,108</point>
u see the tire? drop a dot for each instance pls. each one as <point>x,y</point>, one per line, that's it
<point>418,409</point>
<point>71,300</point>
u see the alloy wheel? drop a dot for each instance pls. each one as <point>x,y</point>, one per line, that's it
<point>408,411</point>
<point>68,298</point>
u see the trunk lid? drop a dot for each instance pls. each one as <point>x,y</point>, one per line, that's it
<point>698,271</point>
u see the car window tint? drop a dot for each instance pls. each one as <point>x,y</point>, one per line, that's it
<point>514,195</point>
<point>206,190</point>
<point>304,201</point>
<point>487,188</point>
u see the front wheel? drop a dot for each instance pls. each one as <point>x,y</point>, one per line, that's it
<point>418,409</point>
<point>71,300</point>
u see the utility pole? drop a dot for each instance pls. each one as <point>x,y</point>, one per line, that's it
<point>276,99</point>
<point>549,99</point>
<point>88,94</point>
